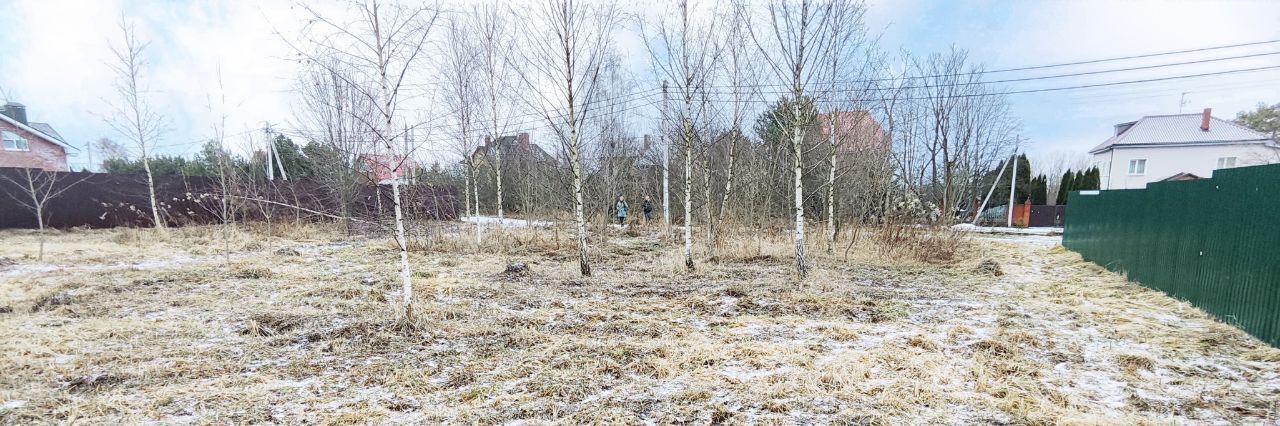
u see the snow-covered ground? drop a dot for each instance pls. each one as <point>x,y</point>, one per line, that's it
<point>968,227</point>
<point>506,222</point>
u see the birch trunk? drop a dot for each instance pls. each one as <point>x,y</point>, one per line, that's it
<point>688,186</point>
<point>831,183</point>
<point>797,150</point>
<point>475,198</point>
<point>405,275</point>
<point>584,263</point>
<point>40,224</point>
<point>466,192</point>
<point>226,211</point>
<point>728,176</point>
<point>706,198</point>
<point>151,193</point>
<point>666,189</point>
<point>497,169</point>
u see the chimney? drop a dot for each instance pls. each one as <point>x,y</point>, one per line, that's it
<point>16,111</point>
<point>523,139</point>
<point>1123,127</point>
<point>487,141</point>
<point>648,141</point>
<point>1204,120</point>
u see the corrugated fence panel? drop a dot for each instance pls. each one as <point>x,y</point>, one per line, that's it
<point>1213,242</point>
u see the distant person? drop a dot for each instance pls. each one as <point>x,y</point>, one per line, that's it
<point>620,207</point>
<point>647,206</point>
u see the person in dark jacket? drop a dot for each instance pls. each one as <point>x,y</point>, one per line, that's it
<point>620,208</point>
<point>647,206</point>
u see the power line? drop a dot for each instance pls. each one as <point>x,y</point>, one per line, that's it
<point>1036,67</point>
<point>1086,86</point>
<point>1022,79</point>
<point>1149,55</point>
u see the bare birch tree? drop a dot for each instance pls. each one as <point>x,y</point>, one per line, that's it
<point>458,67</point>
<point>844,37</point>
<point>37,188</point>
<point>380,46</point>
<point>335,114</point>
<point>566,54</point>
<point>493,45</point>
<point>793,45</point>
<point>133,116</point>
<point>222,162</point>
<point>740,61</point>
<point>684,50</point>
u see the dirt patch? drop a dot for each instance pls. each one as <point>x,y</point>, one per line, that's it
<point>93,382</point>
<point>988,267</point>
<point>517,270</point>
<point>251,272</point>
<point>51,301</point>
<point>269,324</point>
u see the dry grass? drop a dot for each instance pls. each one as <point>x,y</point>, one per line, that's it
<point>304,332</point>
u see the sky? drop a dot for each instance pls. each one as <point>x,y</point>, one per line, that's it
<point>214,58</point>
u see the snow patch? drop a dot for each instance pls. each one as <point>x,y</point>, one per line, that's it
<point>507,222</point>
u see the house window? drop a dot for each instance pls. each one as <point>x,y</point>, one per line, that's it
<point>1138,167</point>
<point>1226,162</point>
<point>13,142</point>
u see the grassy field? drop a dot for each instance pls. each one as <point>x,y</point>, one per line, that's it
<point>121,326</point>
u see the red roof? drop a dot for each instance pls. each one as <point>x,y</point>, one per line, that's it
<point>858,130</point>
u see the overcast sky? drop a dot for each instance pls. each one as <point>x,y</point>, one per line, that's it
<point>57,51</point>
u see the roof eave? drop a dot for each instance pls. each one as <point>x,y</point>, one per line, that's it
<point>42,135</point>
<point>1168,144</point>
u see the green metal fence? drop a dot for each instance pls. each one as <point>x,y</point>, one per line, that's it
<point>1213,242</point>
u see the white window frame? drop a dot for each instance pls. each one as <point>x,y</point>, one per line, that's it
<point>1140,169</point>
<point>19,144</point>
<point>1222,164</point>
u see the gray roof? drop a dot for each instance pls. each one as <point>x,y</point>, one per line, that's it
<point>47,130</point>
<point>43,130</point>
<point>1181,129</point>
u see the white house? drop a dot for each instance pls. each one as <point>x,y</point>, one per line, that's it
<point>1175,147</point>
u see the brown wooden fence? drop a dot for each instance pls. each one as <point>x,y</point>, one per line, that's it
<point>101,200</point>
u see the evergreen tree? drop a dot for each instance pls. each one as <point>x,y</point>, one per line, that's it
<point>1265,118</point>
<point>1068,184</point>
<point>1040,190</point>
<point>1024,180</point>
<point>1094,179</point>
<point>295,162</point>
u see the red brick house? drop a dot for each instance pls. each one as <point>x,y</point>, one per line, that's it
<point>383,168</point>
<point>30,145</point>
<point>858,132</point>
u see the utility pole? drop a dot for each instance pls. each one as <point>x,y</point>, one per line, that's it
<point>1182,101</point>
<point>271,171</point>
<point>1013,188</point>
<point>666,165</point>
<point>88,150</point>
<point>271,140</point>
<point>978,214</point>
